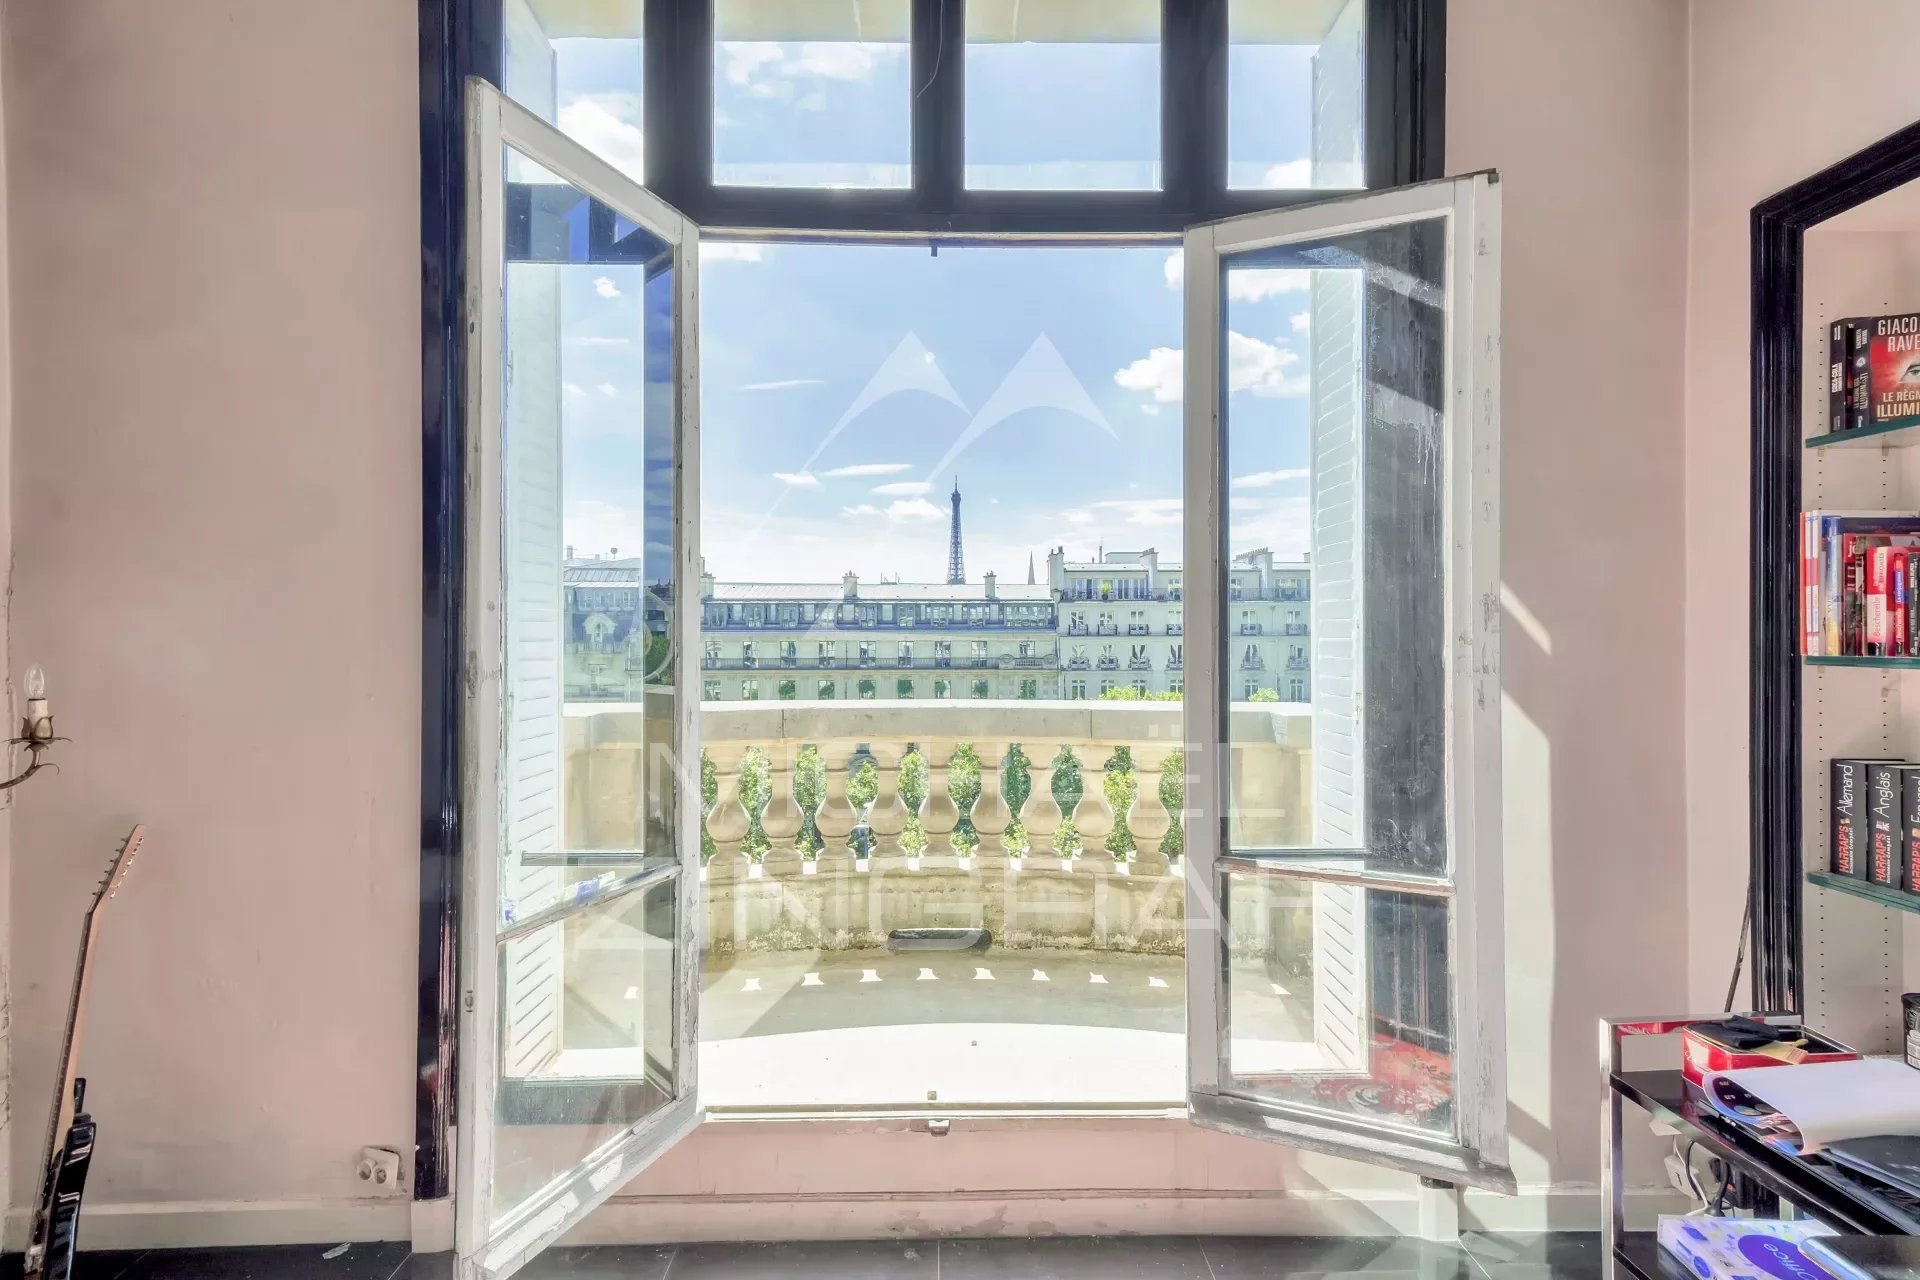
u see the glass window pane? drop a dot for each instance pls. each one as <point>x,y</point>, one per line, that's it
<point>1338,999</point>
<point>1063,95</point>
<point>587,454</point>
<point>813,95</point>
<point>580,67</point>
<point>587,1024</point>
<point>1335,397</point>
<point>1296,101</point>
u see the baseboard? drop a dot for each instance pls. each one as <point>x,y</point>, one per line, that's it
<point>882,1215</point>
<point>182,1224</point>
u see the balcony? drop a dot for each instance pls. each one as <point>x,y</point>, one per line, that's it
<point>1249,628</point>
<point>1105,629</point>
<point>1106,664</point>
<point>1253,664</point>
<point>1296,664</point>
<point>1138,629</point>
<point>1077,629</point>
<point>1173,628</point>
<point>1076,664</point>
<point>1139,664</point>
<point>828,660</point>
<point>806,1005</point>
<point>1293,629</point>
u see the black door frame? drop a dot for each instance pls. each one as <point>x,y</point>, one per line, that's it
<point>1779,227</point>
<point>1405,131</point>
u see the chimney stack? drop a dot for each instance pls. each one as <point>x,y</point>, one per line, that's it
<point>992,581</point>
<point>850,585</point>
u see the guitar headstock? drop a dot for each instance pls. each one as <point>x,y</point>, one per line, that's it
<point>122,864</point>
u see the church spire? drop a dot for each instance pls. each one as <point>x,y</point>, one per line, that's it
<point>956,563</point>
<point>1029,568</point>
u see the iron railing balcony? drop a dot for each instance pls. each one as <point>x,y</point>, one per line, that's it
<point>1107,664</point>
<point>1253,664</point>
<point>1140,664</point>
<point>1075,664</point>
<point>1138,629</point>
<point>1106,629</point>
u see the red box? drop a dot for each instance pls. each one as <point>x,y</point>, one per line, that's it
<point>1698,1056</point>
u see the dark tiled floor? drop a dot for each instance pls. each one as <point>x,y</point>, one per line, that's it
<point>1479,1257</point>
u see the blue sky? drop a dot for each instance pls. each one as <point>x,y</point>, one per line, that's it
<point>843,387</point>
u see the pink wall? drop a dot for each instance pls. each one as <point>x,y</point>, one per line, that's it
<point>216,481</point>
<point>1779,89</point>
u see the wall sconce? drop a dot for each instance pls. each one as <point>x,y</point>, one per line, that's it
<point>36,730</point>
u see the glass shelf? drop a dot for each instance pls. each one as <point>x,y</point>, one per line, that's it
<point>1895,435</point>
<point>1871,892</point>
<point>1829,660</point>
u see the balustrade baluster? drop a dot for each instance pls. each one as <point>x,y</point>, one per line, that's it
<point>1093,816</point>
<point>1040,816</point>
<point>1147,817</point>
<point>888,816</point>
<point>990,814</point>
<point>782,818</point>
<point>938,813</point>
<point>728,822</point>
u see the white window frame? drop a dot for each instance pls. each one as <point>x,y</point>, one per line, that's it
<point>1476,1154</point>
<point>487,1248</point>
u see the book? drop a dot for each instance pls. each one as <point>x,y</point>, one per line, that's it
<point>1839,385</point>
<point>1899,562</point>
<point>1886,842</point>
<point>1860,333</point>
<point>1829,532</point>
<point>1743,1248</point>
<point>1847,815</point>
<point>1800,1109</point>
<point>1876,594</point>
<point>1910,829</point>
<point>1893,372</point>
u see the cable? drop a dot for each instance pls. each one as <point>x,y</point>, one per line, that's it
<point>939,49</point>
<point>1740,956</point>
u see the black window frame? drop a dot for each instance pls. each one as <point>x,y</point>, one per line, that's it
<point>1404,116</point>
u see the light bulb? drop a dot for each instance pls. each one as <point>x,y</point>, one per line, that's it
<point>36,683</point>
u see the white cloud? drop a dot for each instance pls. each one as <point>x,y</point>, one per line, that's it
<point>1267,479</point>
<point>1157,372</point>
<point>1151,409</point>
<point>1133,511</point>
<point>745,58</point>
<point>1300,321</point>
<point>600,340</point>
<point>913,510</point>
<point>863,509</point>
<point>1251,284</point>
<point>607,389</point>
<point>815,101</point>
<point>1244,284</point>
<point>783,383</point>
<point>605,287</point>
<point>843,59</point>
<point>1293,175</point>
<point>798,479</point>
<point>1262,367</point>
<point>608,124</point>
<point>573,388</point>
<point>729,251</point>
<point>868,469</point>
<point>910,488</point>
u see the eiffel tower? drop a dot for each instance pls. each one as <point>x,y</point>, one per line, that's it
<point>956,563</point>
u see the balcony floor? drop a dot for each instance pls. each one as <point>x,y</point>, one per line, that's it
<point>1023,1027</point>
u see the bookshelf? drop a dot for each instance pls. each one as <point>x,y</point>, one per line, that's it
<point>1897,436</point>
<point>1880,894</point>
<point>1860,943</point>
<point>1894,664</point>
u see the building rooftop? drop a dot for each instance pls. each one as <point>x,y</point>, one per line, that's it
<point>878,591</point>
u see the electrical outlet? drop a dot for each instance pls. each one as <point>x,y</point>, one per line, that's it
<point>379,1168</point>
<point>1677,1175</point>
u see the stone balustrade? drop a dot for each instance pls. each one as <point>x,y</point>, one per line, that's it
<point>1047,890</point>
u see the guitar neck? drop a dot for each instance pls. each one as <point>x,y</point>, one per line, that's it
<point>65,1103</point>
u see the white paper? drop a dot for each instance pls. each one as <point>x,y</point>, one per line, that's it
<point>1833,1101</point>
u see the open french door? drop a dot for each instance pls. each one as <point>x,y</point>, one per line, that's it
<point>580,921</point>
<point>1345,978</point>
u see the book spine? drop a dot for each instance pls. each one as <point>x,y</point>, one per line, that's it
<point>1860,379</point>
<point>1811,631</point>
<point>1885,848</point>
<point>1910,828</point>
<point>1832,582</point>
<point>1839,335</point>
<point>1853,597</point>
<point>1846,793</point>
<point>1879,560</point>
<point>1899,562</point>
